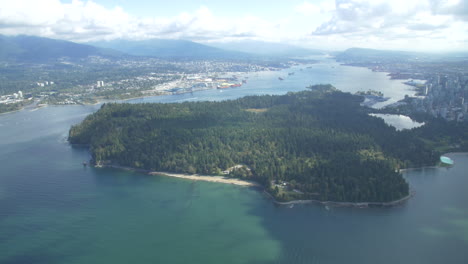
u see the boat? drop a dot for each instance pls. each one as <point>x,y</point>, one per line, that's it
<point>228,85</point>
<point>224,85</point>
<point>279,78</point>
<point>446,160</point>
<point>291,73</point>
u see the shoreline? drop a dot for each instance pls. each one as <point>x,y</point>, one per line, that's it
<point>207,178</point>
<point>20,109</point>
<point>345,204</point>
<point>244,183</point>
<point>194,177</point>
<point>434,166</point>
<point>102,101</point>
<point>14,111</point>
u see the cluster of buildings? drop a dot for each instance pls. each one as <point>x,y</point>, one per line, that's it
<point>442,84</point>
<point>148,77</point>
<point>99,84</point>
<point>443,96</point>
<point>12,98</point>
<point>43,84</point>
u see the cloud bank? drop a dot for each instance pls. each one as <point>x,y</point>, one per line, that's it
<point>86,20</point>
<point>422,24</point>
<point>431,24</point>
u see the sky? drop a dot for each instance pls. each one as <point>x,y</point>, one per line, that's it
<point>416,25</point>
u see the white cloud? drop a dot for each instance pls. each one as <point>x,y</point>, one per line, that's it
<point>456,8</point>
<point>395,22</point>
<point>307,8</point>
<point>87,20</point>
<point>333,24</point>
<point>368,16</point>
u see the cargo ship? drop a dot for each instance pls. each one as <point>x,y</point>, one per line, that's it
<point>228,85</point>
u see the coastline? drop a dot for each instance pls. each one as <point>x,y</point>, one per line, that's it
<point>194,177</point>
<point>345,204</point>
<point>434,166</point>
<point>14,111</point>
<point>239,182</point>
<point>100,100</point>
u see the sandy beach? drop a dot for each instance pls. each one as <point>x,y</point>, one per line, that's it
<point>219,179</point>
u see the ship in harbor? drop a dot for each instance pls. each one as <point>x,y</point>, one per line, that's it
<point>228,85</point>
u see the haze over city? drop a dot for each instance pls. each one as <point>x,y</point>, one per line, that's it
<point>421,25</point>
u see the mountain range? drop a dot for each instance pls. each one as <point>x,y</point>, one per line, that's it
<point>266,48</point>
<point>41,50</point>
<point>31,49</point>
<point>169,48</point>
<point>388,56</point>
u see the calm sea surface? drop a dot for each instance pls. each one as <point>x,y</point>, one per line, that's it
<point>52,210</point>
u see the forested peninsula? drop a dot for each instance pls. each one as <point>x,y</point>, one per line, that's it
<point>317,144</point>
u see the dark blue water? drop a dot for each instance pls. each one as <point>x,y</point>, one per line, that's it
<point>52,210</point>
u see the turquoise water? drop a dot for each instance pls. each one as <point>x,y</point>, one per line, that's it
<point>53,210</point>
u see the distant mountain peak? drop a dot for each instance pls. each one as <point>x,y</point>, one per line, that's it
<point>23,48</point>
<point>169,48</point>
<point>265,48</point>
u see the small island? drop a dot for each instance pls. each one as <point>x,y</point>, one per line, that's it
<point>318,144</point>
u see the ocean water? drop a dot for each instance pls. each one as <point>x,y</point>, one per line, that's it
<point>400,122</point>
<point>53,210</point>
<point>345,78</point>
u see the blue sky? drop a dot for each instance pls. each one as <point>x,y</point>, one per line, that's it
<point>425,25</point>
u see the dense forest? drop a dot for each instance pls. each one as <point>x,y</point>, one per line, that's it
<point>315,144</point>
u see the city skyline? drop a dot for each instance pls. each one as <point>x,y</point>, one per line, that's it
<point>422,25</point>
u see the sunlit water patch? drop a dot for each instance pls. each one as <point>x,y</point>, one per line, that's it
<point>400,122</point>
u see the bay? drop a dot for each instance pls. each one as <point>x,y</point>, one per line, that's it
<point>53,210</point>
<point>326,71</point>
